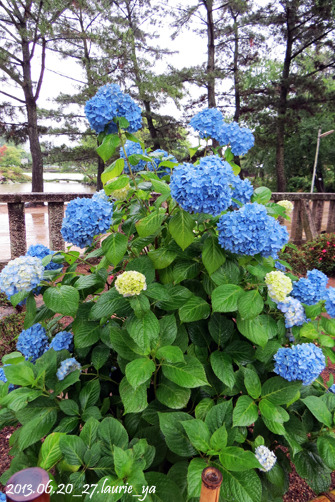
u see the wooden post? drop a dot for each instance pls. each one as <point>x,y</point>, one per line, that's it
<point>17,229</point>
<point>296,227</point>
<point>308,222</point>
<point>28,485</point>
<point>56,215</point>
<point>317,214</point>
<point>211,484</point>
<point>331,217</point>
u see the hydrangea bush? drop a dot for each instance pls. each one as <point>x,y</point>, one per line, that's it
<point>184,346</point>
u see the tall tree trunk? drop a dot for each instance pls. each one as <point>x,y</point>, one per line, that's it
<point>282,107</point>
<point>236,73</point>
<point>210,54</point>
<point>31,107</point>
<point>151,126</point>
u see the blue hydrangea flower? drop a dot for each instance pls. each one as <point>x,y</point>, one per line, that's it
<point>33,342</point>
<point>3,497</point>
<point>160,156</point>
<point>330,301</point>
<point>4,379</point>
<point>242,190</point>
<point>208,123</point>
<point>250,230</point>
<point>241,139</point>
<point>132,148</point>
<point>62,341</point>
<point>312,289</point>
<point>280,266</point>
<point>300,362</point>
<point>332,388</point>
<point>294,312</point>
<point>86,218</point>
<point>101,195</point>
<point>109,103</point>
<point>22,274</point>
<point>67,367</point>
<point>203,188</point>
<point>40,251</point>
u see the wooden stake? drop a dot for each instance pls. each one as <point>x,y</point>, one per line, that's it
<point>211,484</point>
<point>28,485</point>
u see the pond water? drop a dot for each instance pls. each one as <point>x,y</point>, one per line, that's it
<point>37,218</point>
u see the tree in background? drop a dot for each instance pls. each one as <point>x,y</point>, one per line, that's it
<point>24,29</point>
<point>298,25</point>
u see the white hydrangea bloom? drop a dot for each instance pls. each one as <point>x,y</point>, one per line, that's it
<point>279,285</point>
<point>265,457</point>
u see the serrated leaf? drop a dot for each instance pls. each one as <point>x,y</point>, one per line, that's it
<point>212,255</point>
<point>62,300</point>
<point>245,412</point>
<point>198,433</point>
<point>189,374</point>
<point>237,459</point>
<point>181,228</point>
<point>150,224</point>
<point>115,247</point>
<point>225,298</point>
<point>223,367</point>
<point>194,309</point>
<point>319,409</point>
<point>134,400</point>
<point>172,395</point>
<point>250,304</point>
<point>139,371</point>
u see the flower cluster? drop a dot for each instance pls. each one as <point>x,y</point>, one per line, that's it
<point>132,148</point>
<point>3,497</point>
<point>120,193</point>
<point>66,367</point>
<point>203,188</point>
<point>159,156</point>
<point>62,341</point>
<point>279,285</point>
<point>101,195</point>
<point>241,139</point>
<point>33,342</point>
<point>85,218</point>
<point>130,283</point>
<point>265,457</point>
<point>22,274</point>
<point>249,231</point>
<point>242,190</point>
<point>294,312</point>
<point>300,362</point>
<point>40,251</point>
<point>287,205</point>
<point>208,123</point>
<point>312,289</point>
<point>4,379</point>
<point>108,104</point>
<point>330,301</point>
<point>280,266</point>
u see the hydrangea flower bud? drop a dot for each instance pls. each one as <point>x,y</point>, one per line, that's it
<point>279,285</point>
<point>121,193</point>
<point>63,340</point>
<point>294,312</point>
<point>287,205</point>
<point>22,274</point>
<point>300,362</point>
<point>66,367</point>
<point>130,283</point>
<point>265,457</point>
<point>33,342</point>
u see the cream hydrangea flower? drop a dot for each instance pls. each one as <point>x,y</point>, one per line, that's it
<point>120,194</point>
<point>287,205</point>
<point>130,283</point>
<point>279,285</point>
<point>265,457</point>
